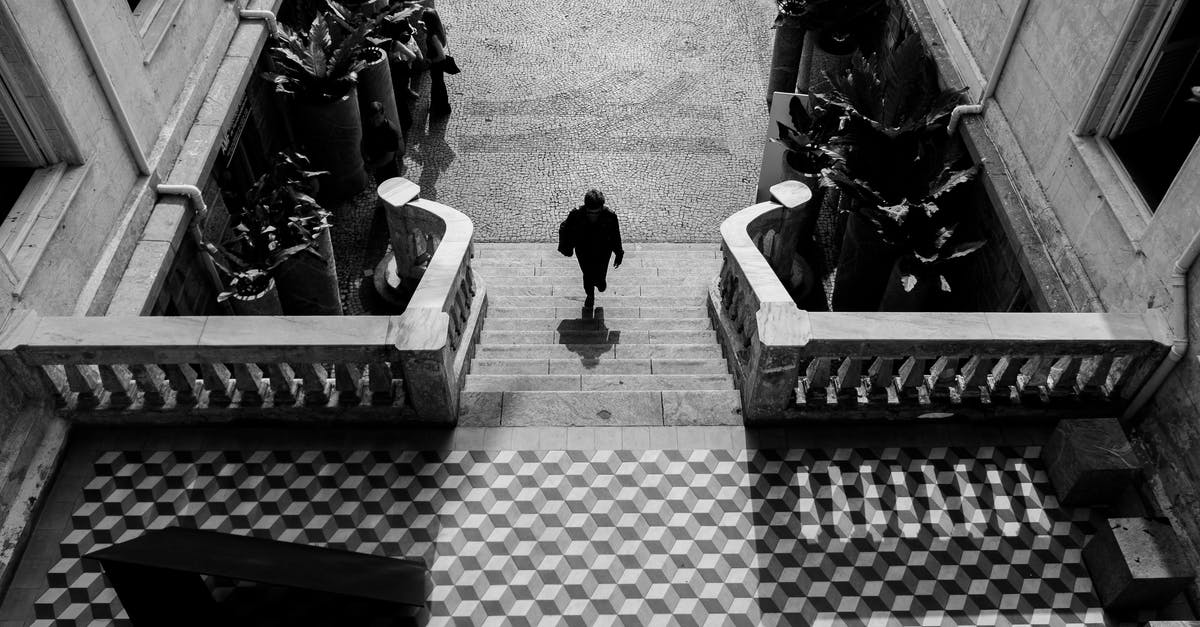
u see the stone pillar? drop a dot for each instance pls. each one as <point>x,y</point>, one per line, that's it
<point>1090,462</point>
<point>427,361</point>
<point>1136,563</point>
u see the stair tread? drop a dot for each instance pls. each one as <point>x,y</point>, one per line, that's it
<point>544,365</point>
<point>576,312</point>
<point>577,324</point>
<point>596,382</point>
<point>608,336</point>
<point>595,352</point>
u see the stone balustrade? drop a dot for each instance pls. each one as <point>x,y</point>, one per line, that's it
<point>126,369</point>
<point>790,363</point>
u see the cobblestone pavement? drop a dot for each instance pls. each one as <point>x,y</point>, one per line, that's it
<point>659,104</point>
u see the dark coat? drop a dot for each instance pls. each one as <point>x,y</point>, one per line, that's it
<point>600,238</point>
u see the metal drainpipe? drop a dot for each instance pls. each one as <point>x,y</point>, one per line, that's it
<point>1178,319</point>
<point>106,84</point>
<point>261,14</point>
<point>200,211</point>
<point>993,79</point>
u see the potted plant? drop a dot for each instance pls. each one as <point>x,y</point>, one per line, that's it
<point>319,76</point>
<point>919,230</point>
<point>375,77</point>
<point>280,204</point>
<point>808,29</point>
<point>895,154</point>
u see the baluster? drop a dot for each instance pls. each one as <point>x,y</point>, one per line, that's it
<point>976,387</point>
<point>150,381</point>
<point>348,378</point>
<point>54,381</point>
<point>316,384</point>
<point>912,382</point>
<point>283,383</point>
<point>1007,384</point>
<point>119,385</point>
<point>1093,379</point>
<point>182,379</point>
<point>82,381</point>
<point>849,382</point>
<point>248,380</point>
<point>380,379</point>
<point>1130,374</point>
<point>881,389</point>
<point>816,384</point>
<point>1063,384</point>
<point>216,381</point>
<point>943,381</point>
<point>1037,377</point>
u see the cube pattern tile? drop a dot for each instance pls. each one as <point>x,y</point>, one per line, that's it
<point>898,536</point>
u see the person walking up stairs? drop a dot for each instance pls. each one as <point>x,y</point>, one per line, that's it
<point>646,354</point>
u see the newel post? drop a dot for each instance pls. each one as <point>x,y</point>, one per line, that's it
<point>28,381</point>
<point>773,364</point>
<point>422,336</point>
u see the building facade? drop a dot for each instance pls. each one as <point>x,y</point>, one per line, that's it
<point>1092,114</point>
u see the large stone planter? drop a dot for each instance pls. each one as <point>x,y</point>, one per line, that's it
<point>375,85</point>
<point>264,303</point>
<point>308,283</point>
<point>786,55</point>
<point>864,266</point>
<point>330,134</point>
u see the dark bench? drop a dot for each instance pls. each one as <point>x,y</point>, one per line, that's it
<point>157,576</point>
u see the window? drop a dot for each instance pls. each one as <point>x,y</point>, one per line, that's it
<point>1153,128</point>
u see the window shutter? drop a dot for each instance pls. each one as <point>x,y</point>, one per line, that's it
<point>17,148</point>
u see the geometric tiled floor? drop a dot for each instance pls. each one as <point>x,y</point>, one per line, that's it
<point>839,536</point>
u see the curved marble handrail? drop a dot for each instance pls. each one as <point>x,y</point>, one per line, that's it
<point>790,362</point>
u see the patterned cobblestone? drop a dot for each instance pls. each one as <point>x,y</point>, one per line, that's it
<point>658,104</point>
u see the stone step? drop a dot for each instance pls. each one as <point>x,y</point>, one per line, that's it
<point>610,336</point>
<point>576,281</point>
<point>579,324</point>
<point>632,260</point>
<point>550,249</point>
<point>577,312</point>
<point>626,408</point>
<point>591,353</point>
<point>628,275</point>
<point>595,382</point>
<point>602,300</point>
<point>603,366</point>
<point>660,291</point>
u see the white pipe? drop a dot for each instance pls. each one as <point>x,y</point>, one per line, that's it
<point>200,209</point>
<point>1178,319</point>
<point>106,84</point>
<point>261,14</point>
<point>993,78</point>
<point>192,192</point>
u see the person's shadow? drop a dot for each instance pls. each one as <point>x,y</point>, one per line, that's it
<point>588,336</point>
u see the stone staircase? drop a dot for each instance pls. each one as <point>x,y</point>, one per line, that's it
<point>646,355</point>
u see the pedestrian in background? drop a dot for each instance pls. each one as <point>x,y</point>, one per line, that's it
<point>593,233</point>
<point>381,145</point>
<point>439,62</point>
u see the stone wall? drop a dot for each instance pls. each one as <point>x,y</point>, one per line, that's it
<point>1045,90</point>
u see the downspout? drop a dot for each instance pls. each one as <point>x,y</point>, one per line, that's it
<point>106,84</point>
<point>261,14</point>
<point>200,212</point>
<point>993,79</point>
<point>1178,319</point>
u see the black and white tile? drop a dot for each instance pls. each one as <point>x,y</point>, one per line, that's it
<point>899,536</point>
